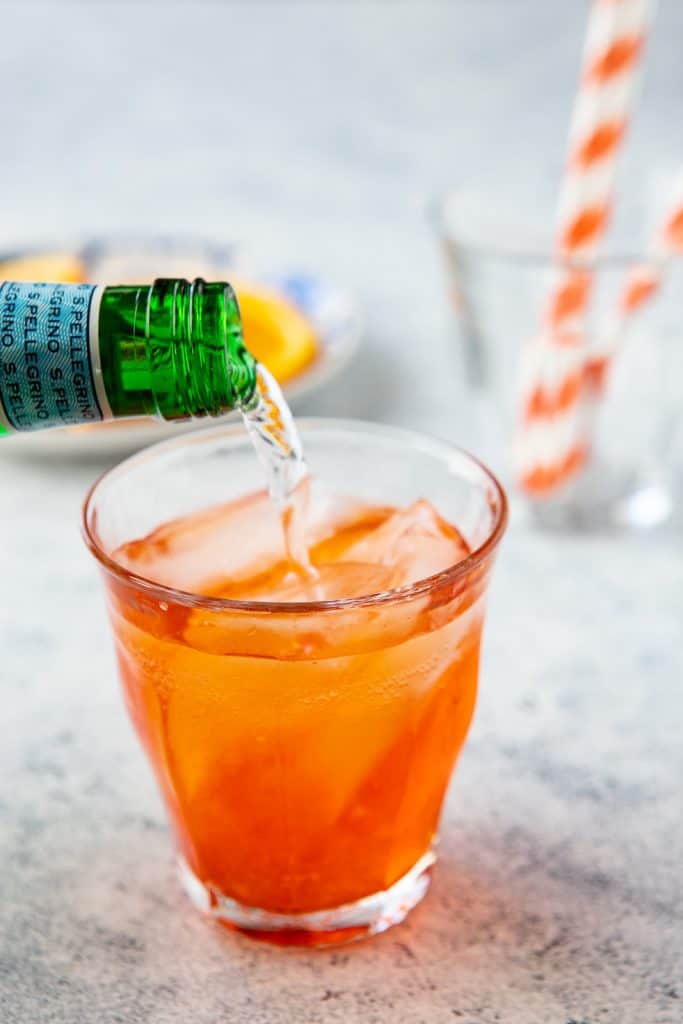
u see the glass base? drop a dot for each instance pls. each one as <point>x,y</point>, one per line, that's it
<point>336,925</point>
<point>603,498</point>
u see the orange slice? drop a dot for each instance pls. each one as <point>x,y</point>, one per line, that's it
<point>44,266</point>
<point>275,331</point>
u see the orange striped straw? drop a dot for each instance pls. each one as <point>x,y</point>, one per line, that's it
<point>641,284</point>
<point>549,447</point>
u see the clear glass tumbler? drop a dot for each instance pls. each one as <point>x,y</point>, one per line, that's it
<point>303,750</point>
<point>499,263</point>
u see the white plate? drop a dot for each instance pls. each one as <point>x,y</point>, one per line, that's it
<point>331,310</point>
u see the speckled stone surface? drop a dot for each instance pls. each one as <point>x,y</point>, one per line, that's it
<point>319,131</point>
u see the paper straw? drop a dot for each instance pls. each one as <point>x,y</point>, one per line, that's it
<point>549,447</point>
<point>641,284</point>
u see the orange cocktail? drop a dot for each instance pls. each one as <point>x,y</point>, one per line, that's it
<point>302,731</point>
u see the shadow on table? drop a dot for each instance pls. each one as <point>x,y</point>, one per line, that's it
<point>507,916</point>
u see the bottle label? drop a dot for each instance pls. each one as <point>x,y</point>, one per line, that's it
<point>48,336</point>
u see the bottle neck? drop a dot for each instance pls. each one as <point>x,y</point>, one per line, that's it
<point>173,349</point>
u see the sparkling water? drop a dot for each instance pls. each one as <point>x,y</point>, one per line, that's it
<point>276,441</point>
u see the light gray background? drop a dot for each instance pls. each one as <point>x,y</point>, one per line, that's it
<point>317,133</point>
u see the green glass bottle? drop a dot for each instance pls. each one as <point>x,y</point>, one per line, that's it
<point>82,353</point>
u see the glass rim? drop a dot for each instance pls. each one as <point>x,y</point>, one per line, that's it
<point>397,595</point>
<point>535,255</point>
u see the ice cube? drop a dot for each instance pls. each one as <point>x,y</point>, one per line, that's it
<point>196,553</point>
<point>236,550</point>
<point>335,581</point>
<point>414,542</point>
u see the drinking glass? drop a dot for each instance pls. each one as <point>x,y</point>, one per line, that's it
<point>302,750</point>
<point>499,262</point>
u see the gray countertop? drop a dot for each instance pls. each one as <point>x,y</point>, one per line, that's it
<point>318,132</point>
